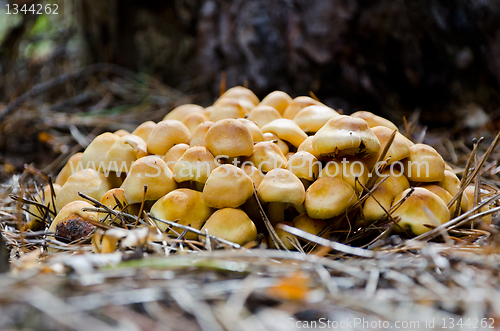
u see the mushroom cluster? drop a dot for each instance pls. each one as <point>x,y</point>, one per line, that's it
<point>213,168</point>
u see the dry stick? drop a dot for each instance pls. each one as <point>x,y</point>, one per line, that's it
<point>477,195</point>
<point>269,226</point>
<point>327,243</point>
<point>61,79</point>
<point>465,174</point>
<point>142,205</point>
<point>486,155</point>
<point>53,195</point>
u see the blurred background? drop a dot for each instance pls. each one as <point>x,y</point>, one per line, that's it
<point>104,65</point>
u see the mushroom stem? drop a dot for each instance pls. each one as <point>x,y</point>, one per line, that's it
<point>276,212</point>
<point>300,208</point>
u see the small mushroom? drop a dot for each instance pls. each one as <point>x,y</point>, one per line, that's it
<point>144,130</point>
<point>166,134</point>
<point>227,108</point>
<point>94,155</point>
<point>451,183</point>
<point>192,120</point>
<point>346,135</point>
<point>399,149</point>
<point>227,186</point>
<point>424,164</point>
<point>69,168</point>
<point>310,225</point>
<point>305,166</point>
<point>195,165</point>
<point>72,223</point>
<point>269,136</point>
<point>263,115</point>
<point>174,154</point>
<point>179,112</point>
<point>185,206</point>
<point>246,97</point>
<point>279,100</point>
<point>230,138</point>
<point>297,105</point>
<point>412,215</point>
<point>328,197</point>
<point>374,120</point>
<point>230,224</point>
<point>253,128</point>
<point>267,156</point>
<point>198,136</point>
<point>287,130</point>
<point>312,118</point>
<point>351,169</point>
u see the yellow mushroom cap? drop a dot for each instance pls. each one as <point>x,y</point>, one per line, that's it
<point>46,199</point>
<point>125,151</point>
<point>192,120</point>
<point>108,199</point>
<point>151,171</point>
<point>174,154</point>
<point>469,193</point>
<point>374,120</point>
<point>451,183</point>
<point>229,137</point>
<point>424,164</point>
<point>308,224</point>
<point>73,209</point>
<point>184,206</point>
<point>179,112</point>
<point>279,100</point>
<point>227,108</point>
<point>263,115</point>
<point>269,136</point>
<point>440,192</point>
<point>267,156</point>
<point>198,136</point>
<point>347,168</point>
<point>312,118</point>
<point>253,128</point>
<point>88,181</point>
<point>195,165</point>
<point>231,224</point>
<point>287,130</point>
<point>399,149</point>
<point>255,175</point>
<point>411,213</point>
<point>144,130</point>
<point>304,165</point>
<point>371,209</point>
<point>297,105</point>
<point>307,146</point>
<point>286,238</point>
<point>395,183</point>
<point>95,153</point>
<point>346,135</point>
<point>245,95</point>
<point>328,197</point>
<point>281,185</point>
<point>227,186</point>
<point>166,134</point>
<point>121,133</point>
<point>69,168</point>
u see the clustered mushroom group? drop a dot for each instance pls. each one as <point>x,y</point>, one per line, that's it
<point>309,165</point>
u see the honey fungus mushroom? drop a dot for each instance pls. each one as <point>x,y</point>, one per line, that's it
<point>328,197</point>
<point>279,100</point>
<point>166,134</point>
<point>424,164</point>
<point>69,168</point>
<point>72,223</point>
<point>346,135</point>
<point>179,112</point>
<point>297,105</point>
<point>421,208</point>
<point>374,120</point>
<point>185,206</point>
<point>312,118</point>
<point>263,114</point>
<point>286,130</point>
<point>227,186</point>
<point>230,138</point>
<point>195,165</point>
<point>230,224</point>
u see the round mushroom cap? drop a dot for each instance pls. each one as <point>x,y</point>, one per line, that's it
<point>109,198</point>
<point>411,214</point>
<point>297,105</point>
<point>166,134</point>
<point>179,112</point>
<point>46,199</point>
<point>304,165</point>
<point>308,224</point>
<point>346,135</point>
<point>153,172</point>
<point>307,146</point>
<point>121,133</point>
<point>195,165</point>
<point>395,183</point>
<point>69,168</point>
<point>192,120</point>
<point>263,115</point>
<point>267,156</point>
<point>230,138</point>
<point>279,100</point>
<point>312,118</point>
<point>469,193</point>
<point>123,153</point>
<point>374,120</point>
<point>281,185</point>
<point>95,153</point>
<point>227,186</point>
<point>184,206</point>
<point>174,154</point>
<point>88,181</point>
<point>441,193</point>
<point>245,95</point>
<point>230,224</point>
<point>287,130</point>
<point>269,136</point>
<point>227,108</point>
<point>74,210</point>
<point>371,208</point>
<point>286,238</point>
<point>198,136</point>
<point>399,149</point>
<point>424,164</point>
<point>347,168</point>
<point>253,128</point>
<point>328,197</point>
<point>144,130</point>
<point>451,183</point>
